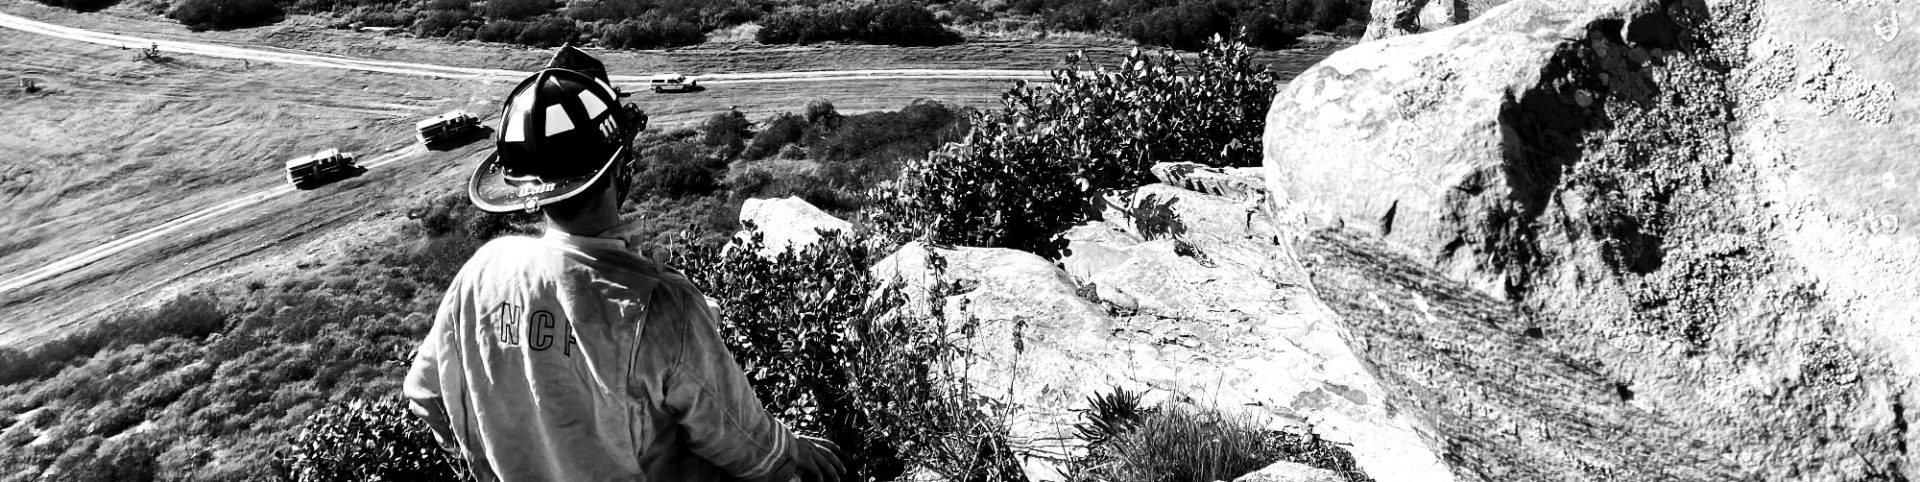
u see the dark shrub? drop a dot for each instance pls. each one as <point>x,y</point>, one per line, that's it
<point>727,130</point>
<point>890,24</point>
<point>517,9</point>
<point>548,32</point>
<point>651,32</point>
<point>678,169</point>
<point>82,5</point>
<point>441,23</point>
<point>1328,15</point>
<point>367,441</point>
<point>1265,29</point>
<point>822,112</point>
<point>502,31</point>
<point>1184,27</point>
<point>607,10</point>
<point>374,17</point>
<point>780,131</point>
<point>200,15</point>
<point>1026,173</point>
<point>967,11</point>
<point>446,5</point>
<point>836,352</point>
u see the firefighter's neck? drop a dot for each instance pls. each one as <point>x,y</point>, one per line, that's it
<point>595,217</point>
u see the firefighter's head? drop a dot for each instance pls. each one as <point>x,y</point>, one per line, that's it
<point>564,139</point>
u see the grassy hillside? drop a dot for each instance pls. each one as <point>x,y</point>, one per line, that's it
<point>209,384</point>
<point>655,24</point>
<point>231,381</point>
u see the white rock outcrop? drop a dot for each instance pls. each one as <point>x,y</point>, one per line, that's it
<point>789,223</point>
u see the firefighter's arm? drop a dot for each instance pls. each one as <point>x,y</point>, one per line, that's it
<point>422,386</point>
<point>723,418</point>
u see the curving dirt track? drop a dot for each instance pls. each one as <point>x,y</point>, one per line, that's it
<point>445,72</point>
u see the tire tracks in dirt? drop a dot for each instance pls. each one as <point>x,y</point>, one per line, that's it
<point>164,230</point>
<point>465,73</point>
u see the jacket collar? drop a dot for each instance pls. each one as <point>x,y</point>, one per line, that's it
<point>584,242</point>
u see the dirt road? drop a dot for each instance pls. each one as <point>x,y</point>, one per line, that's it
<point>173,47</point>
<point>161,231</point>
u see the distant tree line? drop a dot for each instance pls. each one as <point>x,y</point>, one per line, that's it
<point>893,23</point>
<point>1187,24</point>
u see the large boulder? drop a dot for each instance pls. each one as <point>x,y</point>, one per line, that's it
<point>1216,314</point>
<point>1712,203</point>
<point>789,223</point>
<point>1289,472</point>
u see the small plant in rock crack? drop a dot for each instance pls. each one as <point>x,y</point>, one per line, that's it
<point>1109,415</point>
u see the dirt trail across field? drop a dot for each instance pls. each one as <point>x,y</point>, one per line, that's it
<point>465,73</point>
<point>163,230</point>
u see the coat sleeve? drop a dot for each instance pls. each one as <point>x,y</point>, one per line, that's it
<point>422,387</point>
<point>724,421</point>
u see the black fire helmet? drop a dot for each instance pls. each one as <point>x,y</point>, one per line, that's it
<point>561,129</point>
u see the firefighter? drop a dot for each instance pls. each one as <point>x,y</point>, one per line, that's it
<point>569,357</point>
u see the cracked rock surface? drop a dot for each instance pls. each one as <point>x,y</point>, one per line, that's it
<point>1687,229</point>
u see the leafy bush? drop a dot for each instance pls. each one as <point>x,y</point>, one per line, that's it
<point>501,31</point>
<point>441,23</point>
<point>200,15</point>
<point>517,9</point>
<point>1187,24</point>
<point>677,168</point>
<point>727,130</point>
<point>897,23</point>
<point>833,351</point>
<point>82,5</point>
<point>548,32</point>
<point>651,32</point>
<point>367,441</point>
<point>1025,173</point>
<point>378,17</point>
<point>780,131</point>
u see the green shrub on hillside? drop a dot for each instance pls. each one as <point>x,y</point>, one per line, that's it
<point>359,441</point>
<point>833,351</point>
<point>1028,172</point>
<point>548,32</point>
<point>1187,24</point>
<point>895,23</point>
<point>212,383</point>
<point>500,31</point>
<point>82,5</point>
<point>650,33</point>
<point>200,15</point>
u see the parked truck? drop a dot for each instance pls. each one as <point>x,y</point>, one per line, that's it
<point>673,83</point>
<point>451,126</point>
<point>307,172</point>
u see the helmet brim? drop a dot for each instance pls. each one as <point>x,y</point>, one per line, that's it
<point>492,191</point>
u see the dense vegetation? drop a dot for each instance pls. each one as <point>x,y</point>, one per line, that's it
<point>1028,172</point>
<point>655,24</point>
<point>892,23</point>
<point>695,179</point>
